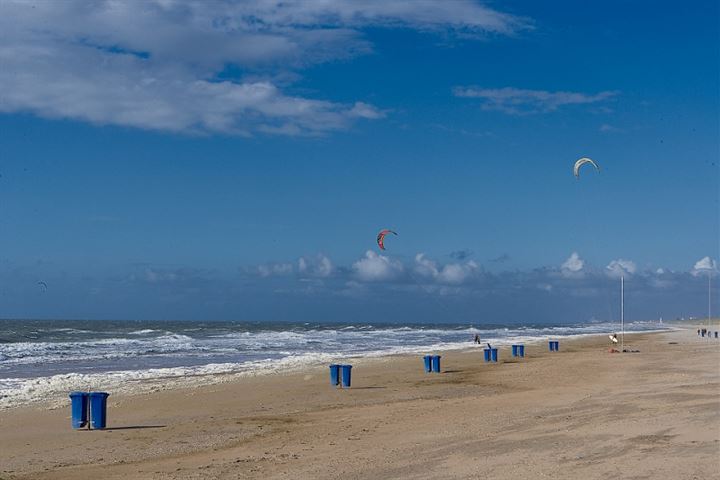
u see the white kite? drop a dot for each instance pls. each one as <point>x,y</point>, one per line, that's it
<point>581,162</point>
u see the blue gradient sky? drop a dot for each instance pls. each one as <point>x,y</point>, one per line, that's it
<point>127,215</point>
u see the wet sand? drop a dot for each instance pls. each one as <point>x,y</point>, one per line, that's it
<point>581,413</point>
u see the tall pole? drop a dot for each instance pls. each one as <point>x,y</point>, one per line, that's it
<point>709,290</point>
<point>622,313</point>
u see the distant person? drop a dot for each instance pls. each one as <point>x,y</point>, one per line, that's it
<point>613,337</point>
<point>477,339</point>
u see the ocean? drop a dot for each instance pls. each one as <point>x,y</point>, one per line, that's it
<point>41,361</point>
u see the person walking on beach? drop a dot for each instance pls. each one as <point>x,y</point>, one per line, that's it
<point>477,339</point>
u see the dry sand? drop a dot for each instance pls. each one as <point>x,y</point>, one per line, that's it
<point>582,413</point>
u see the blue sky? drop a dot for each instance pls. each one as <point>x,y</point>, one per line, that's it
<point>236,162</point>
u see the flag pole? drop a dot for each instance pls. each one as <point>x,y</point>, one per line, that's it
<point>622,312</point>
<point>709,290</point>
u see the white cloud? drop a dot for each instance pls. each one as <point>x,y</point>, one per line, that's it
<point>572,267</point>
<point>374,267</point>
<point>319,266</point>
<point>620,267</point>
<point>452,273</point>
<point>163,65</point>
<point>517,101</point>
<point>274,269</point>
<point>704,266</point>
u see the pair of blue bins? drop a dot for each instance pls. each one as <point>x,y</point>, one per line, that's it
<point>432,363</point>
<point>490,354</point>
<point>518,350</point>
<point>340,374</point>
<point>95,403</point>
<point>554,345</point>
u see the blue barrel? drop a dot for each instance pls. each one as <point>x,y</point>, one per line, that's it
<point>514,350</point>
<point>345,370</point>
<point>557,346</point>
<point>334,375</point>
<point>486,354</point>
<point>494,354</point>
<point>98,409</point>
<point>521,350</point>
<point>436,363</point>
<point>79,408</point>
<point>551,346</point>
<point>702,333</point>
<point>716,334</point>
<point>427,360</point>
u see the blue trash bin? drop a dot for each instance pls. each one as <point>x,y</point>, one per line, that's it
<point>98,409</point>
<point>514,350</point>
<point>486,354</point>
<point>551,346</point>
<point>494,354</point>
<point>521,350</point>
<point>557,346</point>
<point>716,334</point>
<point>436,363</point>
<point>346,374</point>
<point>334,375</point>
<point>427,360</point>
<point>79,409</point>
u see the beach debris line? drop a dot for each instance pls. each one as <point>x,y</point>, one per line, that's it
<point>581,162</point>
<point>381,237</point>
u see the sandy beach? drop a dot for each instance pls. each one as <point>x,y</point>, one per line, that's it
<point>579,413</point>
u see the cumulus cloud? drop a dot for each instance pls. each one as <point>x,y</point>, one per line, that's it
<point>164,276</point>
<point>518,101</point>
<point>273,269</point>
<point>318,266</point>
<point>452,273</point>
<point>704,266</point>
<point>168,66</point>
<point>374,267</point>
<point>572,267</point>
<point>618,268</point>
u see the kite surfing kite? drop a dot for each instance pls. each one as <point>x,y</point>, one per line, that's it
<point>581,162</point>
<point>381,238</point>
<point>43,286</point>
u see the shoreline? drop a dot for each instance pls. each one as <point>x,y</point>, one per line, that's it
<point>178,377</point>
<point>578,413</point>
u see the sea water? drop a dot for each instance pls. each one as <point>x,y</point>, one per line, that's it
<point>44,360</point>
